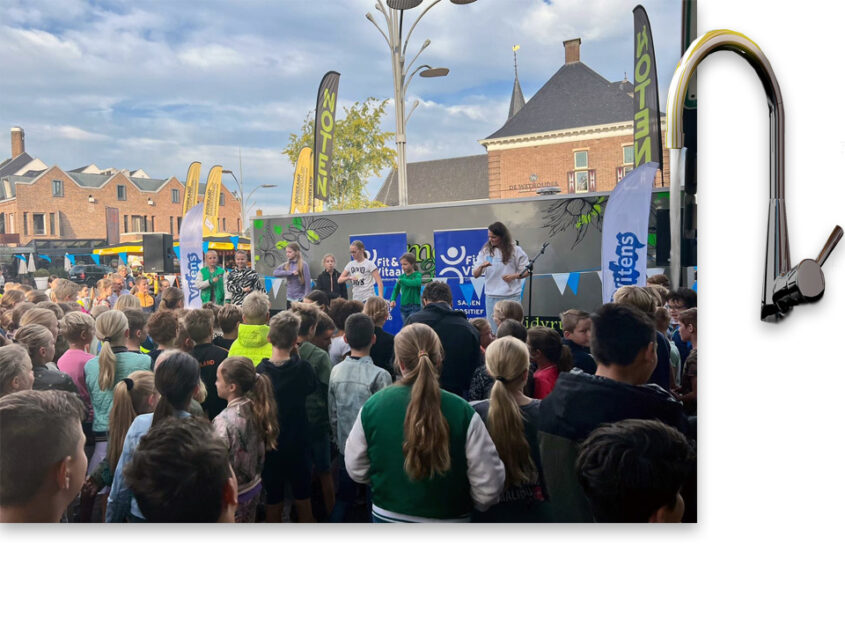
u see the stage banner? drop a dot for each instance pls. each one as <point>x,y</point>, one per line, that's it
<point>385,249</point>
<point>324,134</point>
<point>300,195</point>
<point>211,200</point>
<point>648,146</point>
<point>192,187</point>
<point>625,232</point>
<point>455,252</point>
<point>190,255</point>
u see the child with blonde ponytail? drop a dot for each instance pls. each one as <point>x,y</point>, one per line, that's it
<point>512,420</point>
<point>425,452</point>
<point>114,363</point>
<point>248,425</point>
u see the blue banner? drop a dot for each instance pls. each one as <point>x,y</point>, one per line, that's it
<point>455,252</point>
<point>96,258</point>
<point>190,255</point>
<point>625,232</point>
<point>385,249</point>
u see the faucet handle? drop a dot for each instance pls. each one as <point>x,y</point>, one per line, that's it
<point>832,241</point>
<point>804,284</point>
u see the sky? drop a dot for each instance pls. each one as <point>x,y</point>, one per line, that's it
<point>157,85</point>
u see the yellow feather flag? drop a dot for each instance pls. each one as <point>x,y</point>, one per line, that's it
<point>192,187</point>
<point>211,202</point>
<point>303,176</point>
<point>315,205</point>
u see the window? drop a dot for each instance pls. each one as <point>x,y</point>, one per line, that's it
<point>121,192</point>
<point>3,223</point>
<point>224,224</point>
<point>171,225</point>
<point>239,225</point>
<point>179,224</point>
<point>222,199</point>
<point>174,195</point>
<point>152,223</point>
<point>38,228</point>
<point>52,224</point>
<point>628,155</point>
<point>137,224</point>
<point>125,224</point>
<point>25,223</point>
<point>581,159</point>
<point>58,189</point>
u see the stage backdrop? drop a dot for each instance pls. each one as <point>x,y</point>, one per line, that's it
<point>456,250</point>
<point>385,249</point>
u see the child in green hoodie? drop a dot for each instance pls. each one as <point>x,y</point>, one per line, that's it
<point>252,334</point>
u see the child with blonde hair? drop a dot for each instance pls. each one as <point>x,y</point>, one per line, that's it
<point>425,452</point>
<point>113,363</point>
<point>252,340</point>
<point>512,419</point>
<point>41,346</point>
<point>15,369</point>
<point>378,309</point>
<point>78,332</point>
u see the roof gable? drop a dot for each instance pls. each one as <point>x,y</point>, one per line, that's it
<point>443,180</point>
<point>576,96</point>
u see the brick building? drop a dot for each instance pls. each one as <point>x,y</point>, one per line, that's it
<point>575,134</point>
<point>87,203</point>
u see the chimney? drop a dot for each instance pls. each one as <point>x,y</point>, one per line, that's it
<point>17,142</point>
<point>572,49</point>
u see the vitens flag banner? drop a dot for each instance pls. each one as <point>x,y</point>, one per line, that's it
<point>190,255</point>
<point>455,253</point>
<point>385,249</point>
<point>625,232</point>
<point>211,202</point>
<point>192,187</point>
<point>648,146</point>
<point>324,134</point>
<point>300,195</point>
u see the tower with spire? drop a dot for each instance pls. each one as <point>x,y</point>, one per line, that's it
<point>517,100</point>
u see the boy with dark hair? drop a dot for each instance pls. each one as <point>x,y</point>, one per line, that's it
<point>633,471</point>
<point>323,334</point>
<point>163,328</point>
<point>180,472</point>
<point>42,456</point>
<point>199,325</point>
<point>316,404</point>
<point>678,301</point>
<point>352,382</point>
<point>576,326</point>
<point>623,345</point>
<point>229,318</point>
<point>459,338</point>
<point>293,380</point>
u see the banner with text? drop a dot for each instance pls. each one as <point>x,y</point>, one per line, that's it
<point>647,140</point>
<point>324,134</point>
<point>385,249</point>
<point>625,232</point>
<point>455,252</point>
<point>190,255</point>
<point>300,196</point>
<point>211,200</point>
<point>192,187</point>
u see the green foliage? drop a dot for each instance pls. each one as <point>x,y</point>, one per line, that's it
<point>360,152</point>
<point>593,214</point>
<point>42,273</point>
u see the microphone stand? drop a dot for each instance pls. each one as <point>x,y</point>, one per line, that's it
<point>530,269</point>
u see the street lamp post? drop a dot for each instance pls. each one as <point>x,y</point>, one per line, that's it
<point>244,201</point>
<point>393,15</point>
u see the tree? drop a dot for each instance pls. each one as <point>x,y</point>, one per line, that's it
<point>360,152</point>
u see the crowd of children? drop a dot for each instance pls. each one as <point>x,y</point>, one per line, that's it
<point>119,406</point>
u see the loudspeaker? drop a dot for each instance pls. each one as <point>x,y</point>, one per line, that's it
<point>158,253</point>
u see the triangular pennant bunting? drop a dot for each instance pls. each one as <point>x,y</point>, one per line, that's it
<point>171,279</point>
<point>655,271</point>
<point>46,257</point>
<point>478,285</point>
<point>522,290</point>
<point>574,281</point>
<point>124,259</point>
<point>235,241</point>
<point>560,280</point>
<point>176,251</point>
<point>467,290</point>
<point>96,258</point>
<point>205,247</point>
<point>277,285</point>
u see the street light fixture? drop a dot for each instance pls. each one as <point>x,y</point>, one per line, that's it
<point>393,15</point>
<point>244,201</point>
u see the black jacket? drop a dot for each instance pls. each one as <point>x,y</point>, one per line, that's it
<point>461,344</point>
<point>48,379</point>
<point>581,357</point>
<point>578,404</point>
<point>382,351</point>
<point>210,357</point>
<point>292,382</point>
<point>329,285</point>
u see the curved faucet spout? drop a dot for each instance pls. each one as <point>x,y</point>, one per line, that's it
<point>783,287</point>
